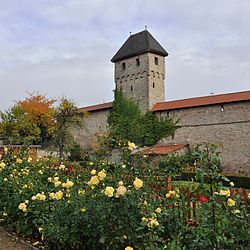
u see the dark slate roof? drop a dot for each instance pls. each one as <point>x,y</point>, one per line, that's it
<point>137,44</point>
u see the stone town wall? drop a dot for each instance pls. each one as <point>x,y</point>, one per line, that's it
<point>229,129</point>
<point>95,122</point>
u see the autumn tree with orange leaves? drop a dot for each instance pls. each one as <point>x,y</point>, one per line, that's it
<point>37,120</point>
<point>40,112</point>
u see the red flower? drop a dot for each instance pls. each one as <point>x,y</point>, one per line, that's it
<point>203,198</point>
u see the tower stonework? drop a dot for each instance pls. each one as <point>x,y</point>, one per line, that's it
<point>140,70</point>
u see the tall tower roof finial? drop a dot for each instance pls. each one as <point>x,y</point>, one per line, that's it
<point>146,27</point>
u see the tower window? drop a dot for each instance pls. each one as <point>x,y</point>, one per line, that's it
<point>153,84</point>
<point>123,66</point>
<point>137,61</point>
<point>156,61</point>
<point>131,88</point>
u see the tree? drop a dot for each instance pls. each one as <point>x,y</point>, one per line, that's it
<point>124,119</point>
<point>40,112</point>
<point>127,122</point>
<point>17,127</point>
<point>66,117</point>
<point>36,120</point>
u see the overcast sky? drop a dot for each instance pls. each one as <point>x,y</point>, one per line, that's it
<point>64,47</point>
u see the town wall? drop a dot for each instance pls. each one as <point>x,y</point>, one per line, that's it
<point>227,126</point>
<point>93,123</point>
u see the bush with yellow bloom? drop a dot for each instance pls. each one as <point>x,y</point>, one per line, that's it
<point>230,202</point>
<point>22,206</point>
<point>121,190</point>
<point>138,183</point>
<point>109,191</point>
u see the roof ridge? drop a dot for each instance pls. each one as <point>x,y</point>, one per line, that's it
<point>202,101</point>
<point>207,96</point>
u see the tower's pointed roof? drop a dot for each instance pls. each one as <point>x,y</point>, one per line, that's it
<point>137,44</point>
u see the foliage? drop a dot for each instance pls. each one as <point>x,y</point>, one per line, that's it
<point>124,119</point>
<point>36,121</point>
<point>17,126</point>
<point>66,117</point>
<point>106,204</point>
<point>128,123</point>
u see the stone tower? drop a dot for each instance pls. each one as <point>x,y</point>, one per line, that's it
<point>140,69</point>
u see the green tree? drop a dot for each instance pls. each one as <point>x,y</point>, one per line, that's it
<point>127,122</point>
<point>66,117</point>
<point>18,127</point>
<point>124,119</point>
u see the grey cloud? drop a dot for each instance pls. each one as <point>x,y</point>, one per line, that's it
<point>64,47</point>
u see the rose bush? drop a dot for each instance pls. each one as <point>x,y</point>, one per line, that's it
<point>126,204</point>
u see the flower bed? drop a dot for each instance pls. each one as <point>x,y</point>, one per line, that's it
<point>125,205</point>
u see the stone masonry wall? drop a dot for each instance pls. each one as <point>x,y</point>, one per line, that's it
<point>229,129</point>
<point>95,122</point>
<point>144,83</point>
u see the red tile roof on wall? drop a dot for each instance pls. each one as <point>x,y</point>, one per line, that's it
<point>185,103</point>
<point>162,149</point>
<point>97,107</point>
<point>202,101</point>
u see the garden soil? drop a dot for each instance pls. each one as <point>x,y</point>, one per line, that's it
<point>10,242</point>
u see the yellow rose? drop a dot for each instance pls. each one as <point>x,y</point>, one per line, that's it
<point>109,191</point>
<point>2,165</point>
<point>231,184</point>
<point>153,223</point>
<point>49,179</point>
<point>52,195</point>
<point>83,209</point>
<point>131,146</point>
<point>29,159</point>
<point>18,160</point>
<point>225,192</point>
<point>59,195</point>
<point>138,183</point>
<point>129,248</point>
<point>121,190</point>
<point>69,184</point>
<point>62,167</point>
<point>94,180</point>
<point>40,172</point>
<point>56,179</point>
<point>81,192</point>
<point>230,202</point>
<point>236,211</point>
<point>120,183</point>
<point>42,197</point>
<point>57,183</point>
<point>102,174</point>
<point>93,172</point>
<point>5,150</point>
<point>248,196</point>
<point>158,210</point>
<point>22,206</point>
